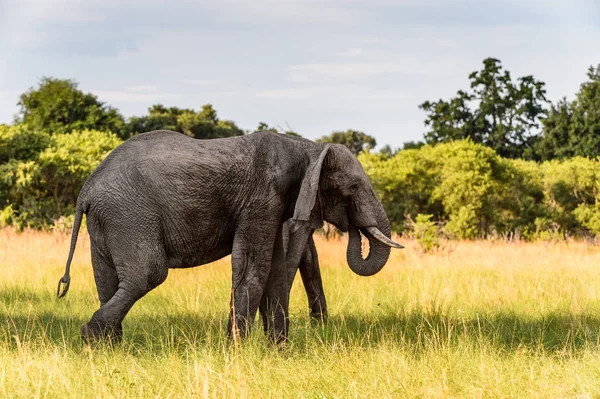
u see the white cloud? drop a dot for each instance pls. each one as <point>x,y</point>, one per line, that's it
<point>384,96</point>
<point>346,71</point>
<point>132,96</point>
<point>142,89</point>
<point>195,82</point>
<point>329,12</point>
<point>351,52</point>
<point>291,93</point>
<point>229,93</point>
<point>370,41</point>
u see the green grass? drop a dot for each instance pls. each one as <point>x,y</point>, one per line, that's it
<point>486,320</point>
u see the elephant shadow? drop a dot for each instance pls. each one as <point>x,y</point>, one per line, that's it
<point>553,332</point>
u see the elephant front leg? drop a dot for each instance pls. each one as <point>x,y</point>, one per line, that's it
<point>251,265</point>
<point>274,304</point>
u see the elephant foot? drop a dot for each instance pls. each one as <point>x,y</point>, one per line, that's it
<point>93,332</point>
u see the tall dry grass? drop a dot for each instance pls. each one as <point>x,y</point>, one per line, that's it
<point>482,320</point>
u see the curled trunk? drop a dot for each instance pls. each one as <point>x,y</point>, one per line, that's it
<point>378,251</point>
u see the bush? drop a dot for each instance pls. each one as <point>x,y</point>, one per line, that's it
<point>39,183</point>
<point>476,193</point>
<point>425,231</point>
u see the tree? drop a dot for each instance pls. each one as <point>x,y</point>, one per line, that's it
<point>412,145</point>
<point>58,106</point>
<point>41,174</point>
<point>387,151</point>
<point>573,128</point>
<point>496,112</point>
<point>203,124</point>
<point>264,127</point>
<point>356,141</point>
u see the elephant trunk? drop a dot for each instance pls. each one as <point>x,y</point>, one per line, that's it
<point>379,246</point>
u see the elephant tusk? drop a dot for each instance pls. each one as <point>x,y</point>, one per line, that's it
<point>375,232</point>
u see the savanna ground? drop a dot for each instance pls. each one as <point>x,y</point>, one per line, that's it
<point>488,319</point>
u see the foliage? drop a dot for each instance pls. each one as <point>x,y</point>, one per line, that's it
<point>356,141</point>
<point>262,126</point>
<point>573,128</point>
<point>471,181</point>
<point>496,112</point>
<point>476,193</point>
<point>21,143</point>
<point>58,106</point>
<point>415,145</point>
<point>202,124</point>
<point>38,188</point>
<point>425,232</point>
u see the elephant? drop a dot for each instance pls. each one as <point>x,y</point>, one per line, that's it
<point>163,200</point>
<point>307,261</point>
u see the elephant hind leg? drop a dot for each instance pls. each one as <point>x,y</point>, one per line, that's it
<point>107,284</point>
<point>274,303</point>
<point>137,274</point>
<point>311,278</point>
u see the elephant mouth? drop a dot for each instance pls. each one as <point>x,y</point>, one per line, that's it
<point>369,232</point>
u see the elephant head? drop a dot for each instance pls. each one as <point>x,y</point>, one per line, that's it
<point>335,188</point>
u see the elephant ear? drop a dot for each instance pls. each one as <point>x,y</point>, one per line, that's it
<point>308,191</point>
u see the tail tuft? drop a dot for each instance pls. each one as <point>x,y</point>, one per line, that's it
<point>66,280</point>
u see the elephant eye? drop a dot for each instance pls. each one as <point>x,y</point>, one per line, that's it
<point>353,187</point>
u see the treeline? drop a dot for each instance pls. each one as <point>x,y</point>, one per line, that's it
<point>466,191</point>
<point>497,159</point>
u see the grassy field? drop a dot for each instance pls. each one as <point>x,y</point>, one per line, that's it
<point>485,320</point>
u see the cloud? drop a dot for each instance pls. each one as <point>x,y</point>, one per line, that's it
<point>384,96</point>
<point>194,82</point>
<point>142,89</point>
<point>134,94</point>
<point>351,52</point>
<point>346,71</point>
<point>288,11</point>
<point>370,41</point>
<point>291,93</point>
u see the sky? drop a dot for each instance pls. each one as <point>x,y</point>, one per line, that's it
<point>313,66</point>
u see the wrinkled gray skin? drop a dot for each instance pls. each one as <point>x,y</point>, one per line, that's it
<point>308,263</point>
<point>163,200</point>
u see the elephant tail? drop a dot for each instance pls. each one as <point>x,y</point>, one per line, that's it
<point>66,279</point>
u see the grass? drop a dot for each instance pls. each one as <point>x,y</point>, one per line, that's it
<point>486,320</point>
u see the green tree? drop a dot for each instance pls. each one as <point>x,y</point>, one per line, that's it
<point>356,141</point>
<point>40,185</point>
<point>387,151</point>
<point>573,128</point>
<point>264,127</point>
<point>202,124</point>
<point>58,106</point>
<point>496,112</point>
<point>412,145</point>
<point>21,143</point>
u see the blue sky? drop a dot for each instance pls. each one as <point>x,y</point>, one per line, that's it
<point>313,65</point>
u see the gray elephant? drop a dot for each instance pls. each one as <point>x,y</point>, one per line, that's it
<point>163,200</point>
<point>307,261</point>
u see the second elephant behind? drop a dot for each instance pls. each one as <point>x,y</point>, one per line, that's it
<point>302,255</point>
